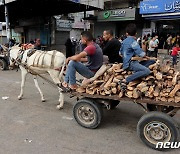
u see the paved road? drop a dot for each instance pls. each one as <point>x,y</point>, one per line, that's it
<point>30,126</point>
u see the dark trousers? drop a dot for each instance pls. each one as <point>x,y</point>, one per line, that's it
<point>174,60</point>
<point>151,53</point>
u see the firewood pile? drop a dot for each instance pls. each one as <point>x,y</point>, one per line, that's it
<point>163,84</point>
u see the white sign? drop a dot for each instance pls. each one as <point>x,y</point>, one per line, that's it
<point>63,25</point>
<point>146,31</point>
<point>81,25</point>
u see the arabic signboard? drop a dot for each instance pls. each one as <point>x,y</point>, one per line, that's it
<point>81,25</point>
<point>63,25</point>
<point>159,6</point>
<point>117,15</point>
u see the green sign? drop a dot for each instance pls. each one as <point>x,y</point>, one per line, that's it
<point>107,14</point>
<point>117,15</point>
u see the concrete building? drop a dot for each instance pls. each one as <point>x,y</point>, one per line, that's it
<point>117,15</point>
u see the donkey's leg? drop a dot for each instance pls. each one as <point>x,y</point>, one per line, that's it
<point>23,79</point>
<point>55,76</point>
<point>37,86</point>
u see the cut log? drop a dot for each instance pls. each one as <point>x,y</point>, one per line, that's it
<point>165,68</point>
<point>158,98</point>
<point>171,71</point>
<point>151,90</point>
<point>156,92</point>
<point>121,94</point>
<point>163,99</point>
<point>134,83</point>
<point>169,84</point>
<point>108,82</point>
<point>150,78</point>
<point>159,76</point>
<point>171,100</point>
<point>113,84</point>
<point>81,90</point>
<point>129,94</point>
<point>120,77</point>
<point>174,80</point>
<point>144,89</point>
<point>130,88</point>
<point>177,99</point>
<point>114,90</point>
<point>178,93</point>
<point>118,70</point>
<point>136,93</point>
<point>173,92</point>
<point>143,58</point>
<point>115,80</point>
<point>141,85</point>
<point>108,92</point>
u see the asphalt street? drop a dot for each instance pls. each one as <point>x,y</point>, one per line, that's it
<point>29,126</point>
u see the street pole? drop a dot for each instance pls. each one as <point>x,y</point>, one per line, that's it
<point>7,22</point>
<point>85,21</point>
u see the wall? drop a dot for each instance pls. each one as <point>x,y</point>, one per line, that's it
<point>101,26</point>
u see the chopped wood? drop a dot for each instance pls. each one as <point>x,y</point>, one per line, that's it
<point>150,78</point>
<point>81,90</point>
<point>156,92</point>
<point>114,90</point>
<point>108,82</point>
<point>136,93</point>
<point>158,76</point>
<point>129,94</point>
<point>121,94</point>
<point>173,92</point>
<point>174,80</point>
<point>162,85</point>
<point>171,100</point>
<point>133,83</point>
<point>177,99</point>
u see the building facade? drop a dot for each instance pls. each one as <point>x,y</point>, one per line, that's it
<point>117,15</point>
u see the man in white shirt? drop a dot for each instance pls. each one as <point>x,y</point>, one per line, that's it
<point>152,45</point>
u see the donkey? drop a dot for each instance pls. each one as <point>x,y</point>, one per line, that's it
<point>40,62</point>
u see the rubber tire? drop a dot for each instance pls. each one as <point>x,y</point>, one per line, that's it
<point>152,107</point>
<point>114,104</point>
<point>97,111</point>
<point>161,117</point>
<point>4,64</point>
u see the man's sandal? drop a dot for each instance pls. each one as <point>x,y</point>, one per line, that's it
<point>123,85</point>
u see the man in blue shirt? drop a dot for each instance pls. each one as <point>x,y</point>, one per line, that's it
<point>130,48</point>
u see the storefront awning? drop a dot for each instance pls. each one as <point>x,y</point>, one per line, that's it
<point>20,9</point>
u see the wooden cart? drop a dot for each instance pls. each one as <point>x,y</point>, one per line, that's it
<point>157,125</point>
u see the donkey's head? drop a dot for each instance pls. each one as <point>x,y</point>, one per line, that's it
<point>14,52</point>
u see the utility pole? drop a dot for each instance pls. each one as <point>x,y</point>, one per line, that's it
<point>7,22</point>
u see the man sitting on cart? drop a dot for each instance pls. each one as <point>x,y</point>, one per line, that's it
<point>130,48</point>
<point>93,57</point>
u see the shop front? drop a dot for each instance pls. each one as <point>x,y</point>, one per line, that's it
<point>163,14</point>
<point>116,20</point>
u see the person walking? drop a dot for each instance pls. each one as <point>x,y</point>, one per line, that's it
<point>174,54</point>
<point>151,49</point>
<point>68,45</point>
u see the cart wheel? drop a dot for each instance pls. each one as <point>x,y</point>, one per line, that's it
<point>156,127</point>
<point>87,113</point>
<point>114,103</point>
<point>3,64</point>
<point>164,109</point>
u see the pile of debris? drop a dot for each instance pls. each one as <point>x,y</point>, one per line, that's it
<point>163,84</point>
